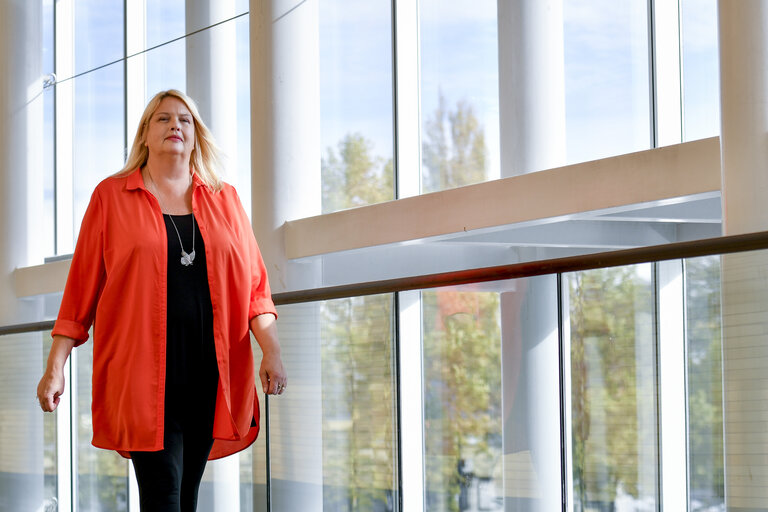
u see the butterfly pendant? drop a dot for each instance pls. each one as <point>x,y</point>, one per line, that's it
<point>187,259</point>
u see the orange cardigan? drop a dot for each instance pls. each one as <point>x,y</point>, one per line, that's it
<point>117,282</point>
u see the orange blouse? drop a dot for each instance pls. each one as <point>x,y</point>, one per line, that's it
<point>117,282</point>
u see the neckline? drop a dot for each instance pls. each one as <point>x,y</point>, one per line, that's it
<point>178,214</point>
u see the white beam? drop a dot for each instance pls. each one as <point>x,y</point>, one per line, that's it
<point>664,173</point>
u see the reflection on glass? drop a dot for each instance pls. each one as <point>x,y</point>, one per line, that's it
<point>614,432</point>
<point>606,78</point>
<point>701,83</point>
<point>98,133</point>
<point>358,404</point>
<point>98,33</point>
<point>462,401</point>
<point>459,93</point>
<point>705,384</point>
<point>102,475</point>
<point>27,436</point>
<point>355,103</point>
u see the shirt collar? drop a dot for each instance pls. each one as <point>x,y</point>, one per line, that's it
<point>135,180</point>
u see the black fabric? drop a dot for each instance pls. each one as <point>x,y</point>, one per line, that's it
<point>169,479</point>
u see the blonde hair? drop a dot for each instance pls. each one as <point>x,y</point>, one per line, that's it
<point>205,159</point>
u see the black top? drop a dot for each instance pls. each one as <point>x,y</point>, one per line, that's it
<point>191,371</point>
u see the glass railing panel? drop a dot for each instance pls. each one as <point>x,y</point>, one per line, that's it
<point>491,396</point>
<point>28,446</point>
<point>704,385</point>
<point>333,433</point>
<point>102,475</point>
<point>613,397</point>
<point>744,296</point>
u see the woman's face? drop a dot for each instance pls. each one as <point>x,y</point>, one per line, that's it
<point>171,129</point>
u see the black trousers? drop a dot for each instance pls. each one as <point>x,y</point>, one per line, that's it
<point>169,479</point>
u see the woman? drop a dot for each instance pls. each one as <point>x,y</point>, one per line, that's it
<point>168,272</point>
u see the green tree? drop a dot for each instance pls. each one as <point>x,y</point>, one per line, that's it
<point>608,386</point>
<point>352,176</point>
<point>358,403</point>
<point>705,384</point>
<point>462,403</point>
<point>454,152</point>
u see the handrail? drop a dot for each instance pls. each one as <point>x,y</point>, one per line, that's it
<point>677,250</point>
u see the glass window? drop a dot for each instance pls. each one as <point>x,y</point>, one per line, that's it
<point>333,435</point>
<point>462,400</point>
<point>28,463</point>
<point>176,18</point>
<point>459,93</point>
<point>359,441</point>
<point>98,33</point>
<point>102,475</point>
<point>607,97</point>
<point>701,73</point>
<point>165,21</point>
<point>166,69</point>
<point>355,103</point>
<point>613,390</point>
<point>705,384</point>
<point>99,121</point>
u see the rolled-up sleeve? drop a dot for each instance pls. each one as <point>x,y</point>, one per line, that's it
<point>86,276</point>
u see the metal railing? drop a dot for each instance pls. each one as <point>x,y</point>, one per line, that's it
<point>677,250</point>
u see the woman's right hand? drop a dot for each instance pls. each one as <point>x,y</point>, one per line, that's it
<point>50,389</point>
<point>51,386</point>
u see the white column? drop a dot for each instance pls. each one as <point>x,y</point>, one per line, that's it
<point>532,129</point>
<point>531,85</point>
<point>411,400</point>
<point>285,130</point>
<point>211,73</point>
<point>285,155</point>
<point>408,93</point>
<point>672,385</point>
<point>530,395</point>
<point>743,39</point>
<point>21,129</point>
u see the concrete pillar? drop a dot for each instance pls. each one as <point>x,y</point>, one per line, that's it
<point>285,184</point>
<point>21,193</point>
<point>531,85</point>
<point>532,130</point>
<point>211,73</point>
<point>743,38</point>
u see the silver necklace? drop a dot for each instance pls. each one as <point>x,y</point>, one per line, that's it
<point>186,258</point>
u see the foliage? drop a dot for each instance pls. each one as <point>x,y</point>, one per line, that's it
<point>705,393</point>
<point>462,375</point>
<point>352,177</point>
<point>609,386</point>
<point>358,403</point>
<point>454,152</point>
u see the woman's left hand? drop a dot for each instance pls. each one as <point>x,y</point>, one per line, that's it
<point>272,374</point>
